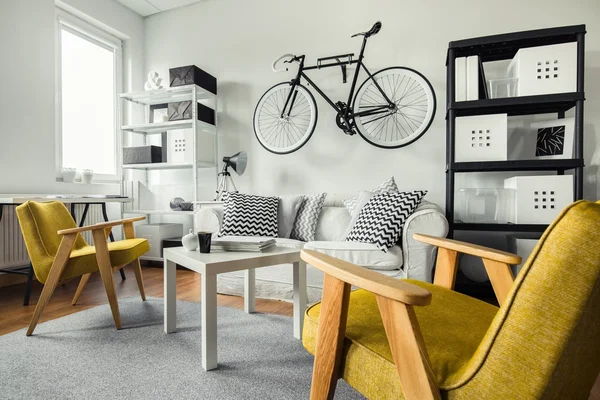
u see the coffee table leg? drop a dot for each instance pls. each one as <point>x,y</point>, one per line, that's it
<point>170,298</point>
<point>209,322</point>
<point>299,297</point>
<point>249,290</point>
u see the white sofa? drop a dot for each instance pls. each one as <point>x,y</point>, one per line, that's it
<point>412,259</point>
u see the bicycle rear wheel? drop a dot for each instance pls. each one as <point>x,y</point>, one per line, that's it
<point>407,121</point>
<point>284,135</point>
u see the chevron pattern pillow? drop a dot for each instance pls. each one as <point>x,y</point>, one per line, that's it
<point>249,215</point>
<point>384,187</point>
<point>381,220</point>
<point>305,225</point>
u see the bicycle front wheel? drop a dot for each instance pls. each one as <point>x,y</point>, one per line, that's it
<point>285,133</point>
<point>406,120</point>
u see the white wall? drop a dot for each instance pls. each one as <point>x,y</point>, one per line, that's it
<point>236,41</point>
<point>27,95</point>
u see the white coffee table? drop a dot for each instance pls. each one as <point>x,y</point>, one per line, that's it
<point>209,265</point>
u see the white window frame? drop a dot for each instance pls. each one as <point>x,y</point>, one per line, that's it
<point>102,38</point>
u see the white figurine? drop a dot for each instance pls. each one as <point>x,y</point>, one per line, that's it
<point>153,82</point>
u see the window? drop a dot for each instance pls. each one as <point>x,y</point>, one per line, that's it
<point>88,79</point>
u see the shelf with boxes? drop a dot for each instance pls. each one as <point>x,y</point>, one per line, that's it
<point>537,72</point>
<point>179,133</point>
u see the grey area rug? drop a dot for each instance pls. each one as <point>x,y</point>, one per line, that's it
<point>82,356</point>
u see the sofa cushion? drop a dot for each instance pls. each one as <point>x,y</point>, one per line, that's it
<point>332,224</point>
<point>249,215</point>
<point>361,201</point>
<point>363,254</point>
<point>387,186</point>
<point>308,216</point>
<point>286,214</point>
<point>381,221</point>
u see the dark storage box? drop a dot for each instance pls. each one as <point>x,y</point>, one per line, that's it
<point>190,75</point>
<point>142,155</point>
<point>183,110</point>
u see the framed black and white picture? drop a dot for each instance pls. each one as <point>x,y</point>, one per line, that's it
<point>159,113</point>
<point>554,139</point>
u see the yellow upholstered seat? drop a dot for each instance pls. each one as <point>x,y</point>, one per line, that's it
<point>122,252</point>
<point>417,340</point>
<point>58,251</point>
<point>451,338</point>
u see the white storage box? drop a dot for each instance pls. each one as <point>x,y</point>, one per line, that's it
<point>156,233</point>
<point>539,199</point>
<point>545,69</point>
<point>180,147</point>
<point>475,205</point>
<point>522,244</point>
<point>481,138</point>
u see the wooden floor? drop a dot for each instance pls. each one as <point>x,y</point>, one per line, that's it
<point>14,316</point>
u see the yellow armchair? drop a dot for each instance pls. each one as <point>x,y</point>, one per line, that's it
<point>58,252</point>
<point>396,339</point>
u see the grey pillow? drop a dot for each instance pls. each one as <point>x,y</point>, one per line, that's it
<point>286,214</point>
<point>305,225</point>
<point>387,186</point>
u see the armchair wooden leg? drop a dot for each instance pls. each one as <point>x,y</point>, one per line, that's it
<point>330,338</point>
<point>105,268</point>
<point>84,280</point>
<point>137,269</point>
<point>408,350</point>
<point>58,266</point>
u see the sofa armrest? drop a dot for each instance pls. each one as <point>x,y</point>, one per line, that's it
<point>209,219</point>
<point>419,258</point>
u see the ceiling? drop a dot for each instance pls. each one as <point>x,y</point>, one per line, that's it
<point>149,7</point>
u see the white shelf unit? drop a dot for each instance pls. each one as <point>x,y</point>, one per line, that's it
<point>199,128</point>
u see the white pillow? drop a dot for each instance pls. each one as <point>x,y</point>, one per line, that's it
<point>384,187</point>
<point>286,214</point>
<point>362,199</point>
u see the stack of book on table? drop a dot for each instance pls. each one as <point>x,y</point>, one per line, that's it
<point>242,243</point>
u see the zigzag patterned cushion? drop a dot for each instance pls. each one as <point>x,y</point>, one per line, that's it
<point>305,225</point>
<point>381,220</point>
<point>384,187</point>
<point>249,215</point>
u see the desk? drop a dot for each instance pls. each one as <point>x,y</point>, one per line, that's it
<point>71,200</point>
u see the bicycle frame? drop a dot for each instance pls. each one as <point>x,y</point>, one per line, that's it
<point>347,113</point>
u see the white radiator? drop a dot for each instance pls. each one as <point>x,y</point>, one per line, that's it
<point>12,248</point>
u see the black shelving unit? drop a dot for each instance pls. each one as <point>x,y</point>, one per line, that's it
<point>504,47</point>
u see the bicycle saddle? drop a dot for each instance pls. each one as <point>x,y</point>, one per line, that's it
<point>373,31</point>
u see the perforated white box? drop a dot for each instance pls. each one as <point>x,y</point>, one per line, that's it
<point>539,199</point>
<point>545,69</point>
<point>481,138</point>
<point>155,234</point>
<point>180,147</point>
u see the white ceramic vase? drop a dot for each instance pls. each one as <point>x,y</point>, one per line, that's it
<point>190,241</point>
<point>87,175</point>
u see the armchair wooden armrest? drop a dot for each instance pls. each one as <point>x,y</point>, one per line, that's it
<point>497,263</point>
<point>395,300</point>
<point>101,225</point>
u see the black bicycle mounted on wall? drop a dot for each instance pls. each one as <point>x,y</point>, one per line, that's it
<point>392,108</point>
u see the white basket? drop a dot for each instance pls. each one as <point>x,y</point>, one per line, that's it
<point>539,199</point>
<point>481,138</point>
<point>545,69</point>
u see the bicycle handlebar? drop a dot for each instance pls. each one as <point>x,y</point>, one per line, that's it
<point>274,65</point>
